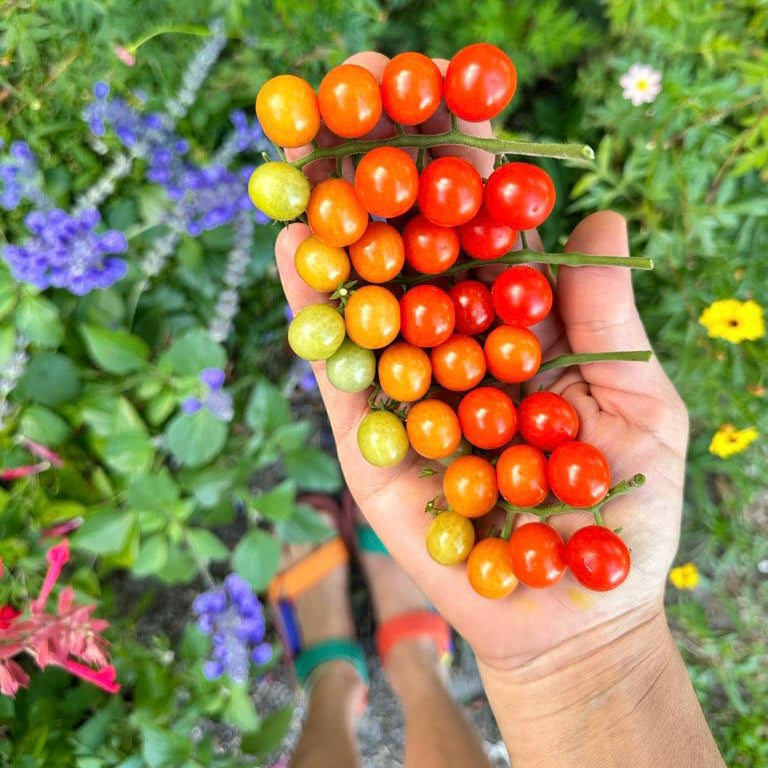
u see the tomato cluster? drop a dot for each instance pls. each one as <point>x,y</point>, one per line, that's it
<point>441,350</point>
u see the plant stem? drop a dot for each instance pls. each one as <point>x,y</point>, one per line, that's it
<point>453,137</point>
<point>563,361</point>
<point>510,521</point>
<point>177,29</point>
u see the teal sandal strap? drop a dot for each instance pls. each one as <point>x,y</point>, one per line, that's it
<point>336,649</point>
<point>368,541</point>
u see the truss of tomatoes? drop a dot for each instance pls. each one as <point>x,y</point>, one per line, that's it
<point>445,347</point>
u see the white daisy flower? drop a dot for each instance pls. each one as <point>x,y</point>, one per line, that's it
<point>641,85</point>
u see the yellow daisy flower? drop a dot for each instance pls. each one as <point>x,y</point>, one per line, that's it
<point>685,576</point>
<point>728,440</point>
<point>734,320</point>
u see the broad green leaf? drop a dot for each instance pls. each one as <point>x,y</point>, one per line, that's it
<point>240,710</point>
<point>61,509</point>
<point>208,485</point>
<point>164,748</point>
<point>289,437</point>
<point>7,343</point>
<point>313,470</point>
<point>42,425</point>
<point>152,556</point>
<point>195,439</point>
<point>304,526</point>
<point>256,558</point>
<point>38,319</point>
<point>267,408</point>
<point>191,353</point>
<point>152,491</point>
<point>7,297</point>
<point>50,379</point>
<point>180,566</point>
<point>105,531</point>
<point>115,351</point>
<point>206,545</point>
<point>277,504</point>
<point>270,736</point>
<point>129,453</point>
<point>106,414</point>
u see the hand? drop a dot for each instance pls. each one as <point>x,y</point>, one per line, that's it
<point>629,410</point>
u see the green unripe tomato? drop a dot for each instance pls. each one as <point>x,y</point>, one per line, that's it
<point>450,538</point>
<point>382,439</point>
<point>279,190</point>
<point>316,332</point>
<point>351,368</point>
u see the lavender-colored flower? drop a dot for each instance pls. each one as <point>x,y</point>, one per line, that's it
<point>68,252</point>
<point>234,618</point>
<point>216,401</point>
<point>20,178</point>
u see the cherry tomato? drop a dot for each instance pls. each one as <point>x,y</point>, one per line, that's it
<point>598,558</point>
<point>513,354</point>
<point>287,110</point>
<point>450,191</point>
<point>469,486</point>
<point>350,101</point>
<point>279,190</point>
<point>489,571</point>
<point>427,316</point>
<point>480,82</point>
<point>378,256</point>
<point>405,372</point>
<point>484,238</point>
<point>522,296</point>
<point>537,555</point>
<point>487,418</point>
<point>335,214</point>
<point>473,305</point>
<point>372,317</point>
<point>521,474</point>
<point>520,195</point>
<point>433,429</point>
<point>450,538</point>
<point>316,332</point>
<point>387,182</point>
<point>458,364</point>
<point>321,266</point>
<point>547,420</point>
<point>411,88</point>
<point>382,440</point>
<point>351,368</point>
<point>430,248</point>
<point>578,473</point>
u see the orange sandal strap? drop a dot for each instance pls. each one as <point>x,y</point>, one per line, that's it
<point>407,626</point>
<point>302,575</point>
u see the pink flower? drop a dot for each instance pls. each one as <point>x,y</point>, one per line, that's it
<point>62,529</point>
<point>7,616</point>
<point>104,678</point>
<point>57,556</point>
<point>124,55</point>
<point>28,469</point>
<point>12,677</point>
<point>41,451</point>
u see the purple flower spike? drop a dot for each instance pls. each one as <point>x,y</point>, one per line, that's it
<point>213,378</point>
<point>191,405</point>
<point>261,653</point>
<point>101,90</point>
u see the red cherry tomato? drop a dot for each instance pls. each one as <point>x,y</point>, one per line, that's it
<point>411,88</point>
<point>484,238</point>
<point>521,473</point>
<point>387,182</point>
<point>427,316</point>
<point>520,195</point>
<point>522,296</point>
<point>335,214</point>
<point>513,354</point>
<point>450,191</point>
<point>488,569</point>
<point>378,255</point>
<point>547,420</point>
<point>480,82</point>
<point>474,307</point>
<point>487,418</point>
<point>537,555</point>
<point>433,429</point>
<point>430,248</point>
<point>578,473</point>
<point>469,486</point>
<point>350,101</point>
<point>598,558</point>
<point>458,364</point>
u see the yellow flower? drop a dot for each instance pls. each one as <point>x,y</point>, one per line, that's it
<point>728,440</point>
<point>685,576</point>
<point>734,320</point>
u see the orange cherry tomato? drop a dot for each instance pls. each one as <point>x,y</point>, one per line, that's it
<point>430,248</point>
<point>411,88</point>
<point>433,429</point>
<point>521,473</point>
<point>287,110</point>
<point>488,569</point>
<point>372,317</point>
<point>469,486</point>
<point>335,214</point>
<point>405,372</point>
<point>513,354</point>
<point>350,101</point>
<point>321,266</point>
<point>487,417</point>
<point>378,256</point>
<point>387,182</point>
<point>458,364</point>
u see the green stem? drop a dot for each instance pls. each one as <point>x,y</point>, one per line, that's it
<point>453,137</point>
<point>563,361</point>
<point>527,256</point>
<point>169,29</point>
<point>510,521</point>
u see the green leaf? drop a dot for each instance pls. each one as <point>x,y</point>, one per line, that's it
<point>240,710</point>
<point>38,319</point>
<point>115,351</point>
<point>313,470</point>
<point>195,439</point>
<point>191,353</point>
<point>7,297</point>
<point>208,485</point>
<point>267,408</point>
<point>105,531</point>
<point>256,558</point>
<point>7,343</point>
<point>129,453</point>
<point>206,545</point>
<point>270,736</point>
<point>152,491</point>
<point>152,556</point>
<point>50,379</point>
<point>180,566</point>
<point>277,504</point>
<point>289,437</point>
<point>304,526</point>
<point>164,749</point>
<point>42,425</point>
